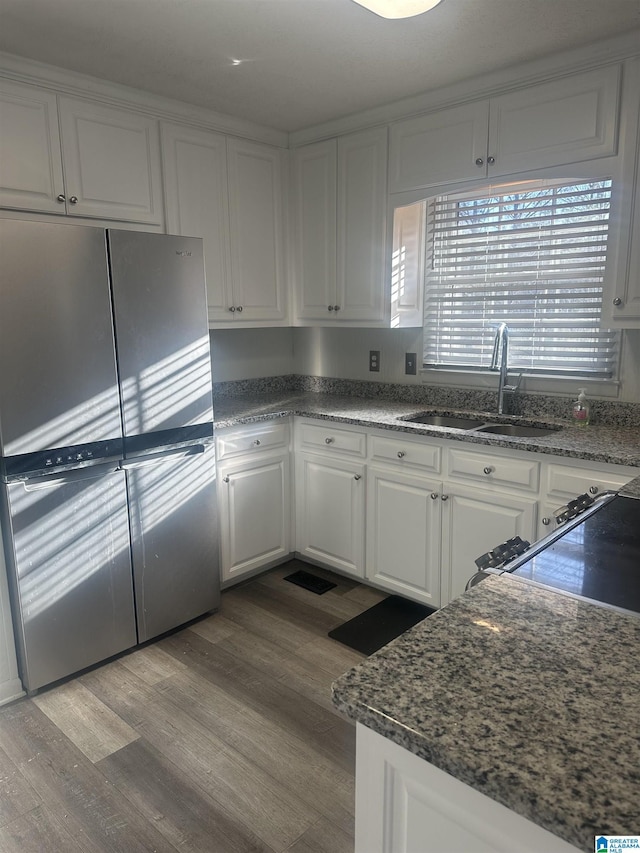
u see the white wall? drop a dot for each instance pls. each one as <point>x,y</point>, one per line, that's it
<point>343,353</point>
<point>250,353</point>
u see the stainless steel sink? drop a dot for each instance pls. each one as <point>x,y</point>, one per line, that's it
<point>451,421</point>
<point>518,430</point>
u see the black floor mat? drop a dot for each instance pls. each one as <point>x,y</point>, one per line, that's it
<point>310,582</point>
<point>380,624</point>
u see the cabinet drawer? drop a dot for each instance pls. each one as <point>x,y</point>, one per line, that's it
<point>258,437</point>
<point>565,480</point>
<point>331,440</point>
<point>407,453</point>
<point>488,468</point>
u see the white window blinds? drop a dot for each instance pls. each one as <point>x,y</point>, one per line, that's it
<point>532,256</point>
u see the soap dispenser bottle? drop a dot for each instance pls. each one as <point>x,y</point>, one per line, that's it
<point>581,409</point>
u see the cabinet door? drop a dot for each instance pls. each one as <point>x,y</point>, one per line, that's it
<point>564,121</point>
<point>330,512</point>
<point>314,176</point>
<point>254,509</point>
<point>256,210</point>
<point>197,203</point>
<point>473,522</point>
<point>362,204</point>
<point>30,158</point>
<point>403,534</point>
<point>439,148</point>
<point>111,162</point>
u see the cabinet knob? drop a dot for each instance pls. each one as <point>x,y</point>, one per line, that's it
<point>401,454</point>
<point>232,309</point>
<point>61,198</point>
<point>74,199</point>
<point>445,497</point>
<point>257,442</point>
<point>479,161</point>
<point>336,307</point>
<point>357,476</point>
<point>225,480</point>
<point>330,307</point>
<point>594,490</point>
<point>488,469</point>
<point>617,302</point>
<point>239,309</point>
<point>434,496</point>
<point>329,440</point>
<point>491,160</point>
<point>546,521</point>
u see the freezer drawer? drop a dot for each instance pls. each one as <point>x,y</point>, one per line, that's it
<point>70,572</point>
<point>172,504</point>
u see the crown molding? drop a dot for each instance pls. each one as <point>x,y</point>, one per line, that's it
<point>498,82</point>
<point>61,81</point>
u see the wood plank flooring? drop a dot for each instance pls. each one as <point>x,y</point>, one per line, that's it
<point>218,738</point>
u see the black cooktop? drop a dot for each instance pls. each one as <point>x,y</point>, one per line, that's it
<point>597,556</point>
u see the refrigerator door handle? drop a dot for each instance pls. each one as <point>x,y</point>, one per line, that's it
<point>48,481</point>
<point>154,458</point>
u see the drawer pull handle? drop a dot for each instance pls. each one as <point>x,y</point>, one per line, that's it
<point>357,476</point>
<point>434,496</point>
<point>594,490</point>
<point>226,480</point>
<point>546,521</point>
<point>488,469</point>
<point>445,497</point>
<point>257,442</point>
<point>329,440</point>
<point>401,454</point>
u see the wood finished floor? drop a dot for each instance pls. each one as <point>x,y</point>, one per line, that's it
<point>220,738</point>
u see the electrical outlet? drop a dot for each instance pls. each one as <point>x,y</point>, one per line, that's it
<point>374,360</point>
<point>410,363</point>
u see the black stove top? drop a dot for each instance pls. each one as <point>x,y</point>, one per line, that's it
<point>596,557</point>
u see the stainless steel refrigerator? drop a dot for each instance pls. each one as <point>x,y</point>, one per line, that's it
<point>106,434</point>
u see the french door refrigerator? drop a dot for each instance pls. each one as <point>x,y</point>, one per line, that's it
<point>106,434</point>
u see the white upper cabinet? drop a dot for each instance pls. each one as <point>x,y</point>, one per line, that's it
<point>568,120</point>
<point>315,201</point>
<point>439,147</point>
<point>197,202</point>
<point>340,220</point>
<point>230,193</point>
<point>77,158</point>
<point>111,162</point>
<point>256,215</point>
<point>30,158</point>
<point>362,205</point>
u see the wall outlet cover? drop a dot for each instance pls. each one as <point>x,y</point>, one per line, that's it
<point>410,363</point>
<point>374,360</point>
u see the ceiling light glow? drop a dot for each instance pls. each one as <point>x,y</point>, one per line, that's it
<point>398,8</point>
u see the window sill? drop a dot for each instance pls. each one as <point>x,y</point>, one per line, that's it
<point>561,385</point>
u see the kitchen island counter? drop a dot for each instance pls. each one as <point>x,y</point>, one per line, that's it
<point>618,445</point>
<point>528,696</point>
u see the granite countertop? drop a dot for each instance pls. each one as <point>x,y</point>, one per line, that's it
<point>599,443</point>
<point>528,696</point>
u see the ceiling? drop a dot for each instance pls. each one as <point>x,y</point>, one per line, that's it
<point>303,62</point>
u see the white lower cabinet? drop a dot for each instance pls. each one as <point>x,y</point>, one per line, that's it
<point>254,498</point>
<point>473,522</point>
<point>330,493</point>
<point>406,805</point>
<point>403,533</point>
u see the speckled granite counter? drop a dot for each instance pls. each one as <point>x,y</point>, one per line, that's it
<point>619,445</point>
<point>528,696</point>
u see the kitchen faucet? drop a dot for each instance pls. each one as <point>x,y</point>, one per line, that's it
<point>501,346</point>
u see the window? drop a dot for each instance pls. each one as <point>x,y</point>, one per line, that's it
<point>531,255</point>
